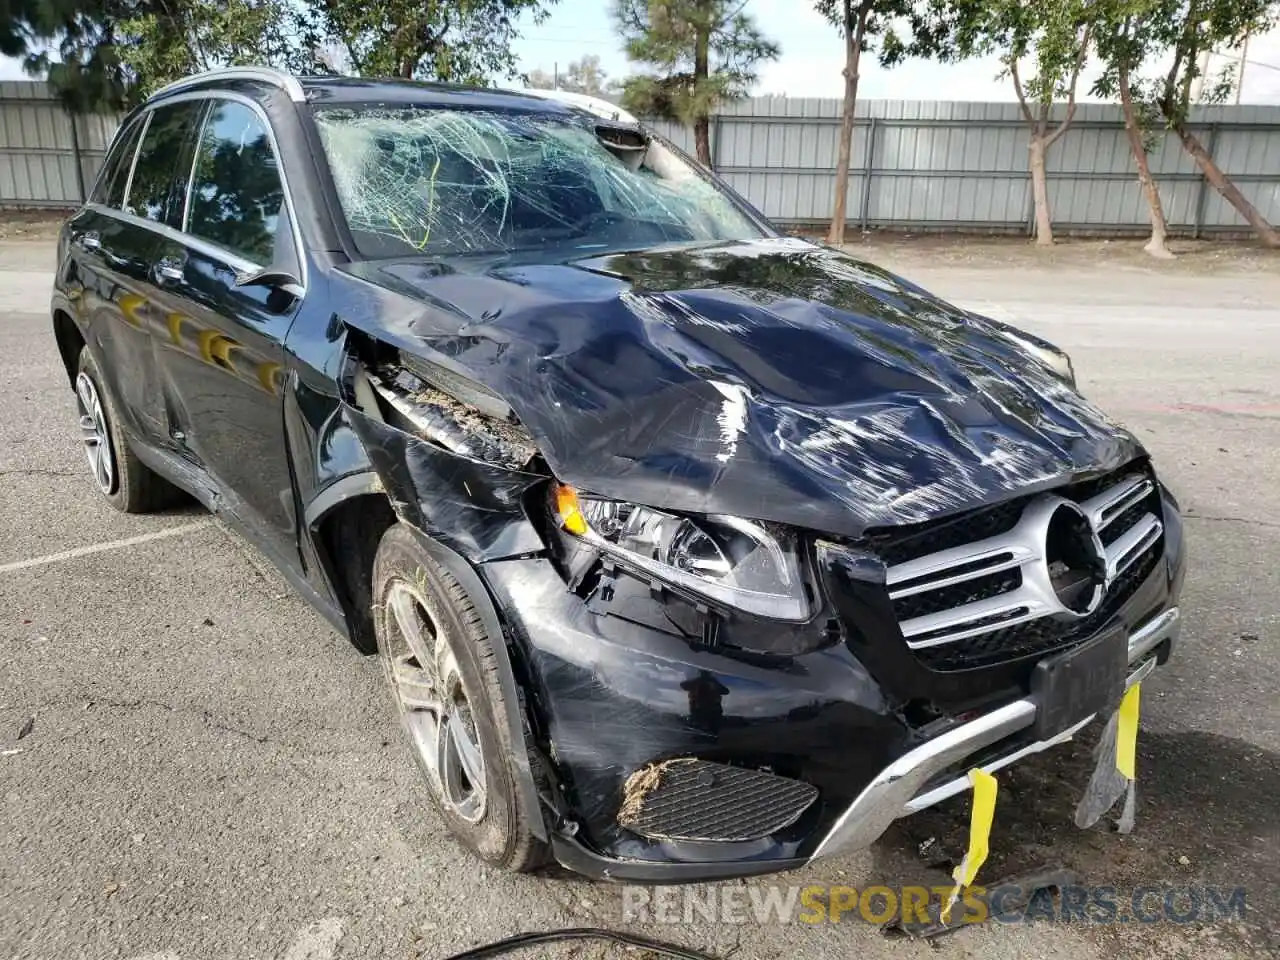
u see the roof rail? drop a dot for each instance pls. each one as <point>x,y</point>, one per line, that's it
<point>276,78</point>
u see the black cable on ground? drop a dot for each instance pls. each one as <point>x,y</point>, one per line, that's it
<point>522,940</point>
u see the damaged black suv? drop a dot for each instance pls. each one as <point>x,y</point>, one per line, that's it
<point>691,550</point>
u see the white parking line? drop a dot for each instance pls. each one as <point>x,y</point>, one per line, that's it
<point>105,547</point>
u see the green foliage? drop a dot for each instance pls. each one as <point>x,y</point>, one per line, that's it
<point>198,35</point>
<point>699,54</point>
<point>1052,34</point>
<point>1182,30</point>
<point>73,43</point>
<point>105,54</point>
<point>459,41</point>
<point>880,15</point>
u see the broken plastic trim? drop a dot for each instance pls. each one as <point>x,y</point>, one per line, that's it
<point>451,423</point>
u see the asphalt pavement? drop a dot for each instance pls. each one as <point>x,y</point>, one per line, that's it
<point>213,773</point>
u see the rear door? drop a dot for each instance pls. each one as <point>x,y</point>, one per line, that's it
<point>223,357</point>
<point>109,255</point>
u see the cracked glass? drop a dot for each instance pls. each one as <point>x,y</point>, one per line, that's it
<point>452,182</point>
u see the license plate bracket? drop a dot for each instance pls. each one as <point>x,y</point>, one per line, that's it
<point>1085,680</point>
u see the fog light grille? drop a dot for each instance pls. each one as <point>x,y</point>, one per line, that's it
<point>691,799</point>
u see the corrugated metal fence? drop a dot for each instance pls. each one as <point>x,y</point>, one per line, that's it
<point>46,159</point>
<point>963,166</point>
<point>916,164</point>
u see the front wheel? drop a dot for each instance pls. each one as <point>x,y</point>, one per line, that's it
<point>439,661</point>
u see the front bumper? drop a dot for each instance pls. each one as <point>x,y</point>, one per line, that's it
<point>903,787</point>
<point>908,785</point>
<point>615,686</point>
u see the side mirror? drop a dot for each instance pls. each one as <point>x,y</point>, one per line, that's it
<point>275,277</point>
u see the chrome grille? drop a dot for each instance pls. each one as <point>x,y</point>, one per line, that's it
<point>994,598</point>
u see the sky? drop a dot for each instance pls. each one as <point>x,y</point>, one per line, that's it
<point>813,57</point>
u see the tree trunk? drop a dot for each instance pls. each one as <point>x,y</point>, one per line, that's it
<point>1159,228</point>
<point>1267,234</point>
<point>1040,190</point>
<point>702,125</point>
<point>702,140</point>
<point>853,34</point>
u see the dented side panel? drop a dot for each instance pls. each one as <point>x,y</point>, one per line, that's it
<point>476,508</point>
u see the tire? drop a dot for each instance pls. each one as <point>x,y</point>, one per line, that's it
<point>453,710</point>
<point>127,483</point>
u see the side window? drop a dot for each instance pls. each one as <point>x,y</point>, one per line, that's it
<point>109,190</point>
<point>236,192</point>
<point>155,192</point>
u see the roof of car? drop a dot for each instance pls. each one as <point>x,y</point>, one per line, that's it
<point>336,90</point>
<point>415,92</point>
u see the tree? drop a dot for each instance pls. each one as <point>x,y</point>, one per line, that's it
<point>1122,46</point>
<point>163,42</point>
<point>1184,30</point>
<point>462,41</point>
<point>106,54</point>
<point>858,22</point>
<point>1050,36</point>
<point>703,53</point>
<point>586,76</point>
<point>73,44</point>
<point>581,76</point>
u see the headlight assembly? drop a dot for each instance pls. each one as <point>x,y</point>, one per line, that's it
<point>736,562</point>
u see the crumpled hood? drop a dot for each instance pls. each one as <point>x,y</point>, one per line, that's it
<point>774,380</point>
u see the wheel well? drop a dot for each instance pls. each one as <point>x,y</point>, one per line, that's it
<point>349,535</point>
<point>70,342</point>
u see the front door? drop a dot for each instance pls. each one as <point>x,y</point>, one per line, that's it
<point>223,358</point>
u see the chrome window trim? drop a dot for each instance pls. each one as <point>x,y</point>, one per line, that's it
<point>276,78</point>
<point>195,156</point>
<point>133,164</point>
<point>140,119</point>
<point>208,247</point>
<point>237,263</point>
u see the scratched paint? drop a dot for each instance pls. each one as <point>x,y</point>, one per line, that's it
<point>732,417</point>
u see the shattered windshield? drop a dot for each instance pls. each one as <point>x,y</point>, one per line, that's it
<point>449,182</point>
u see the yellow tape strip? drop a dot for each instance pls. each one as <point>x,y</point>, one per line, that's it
<point>1127,733</point>
<point>980,817</point>
<point>984,810</point>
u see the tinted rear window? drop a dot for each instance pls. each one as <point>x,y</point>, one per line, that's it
<point>158,185</point>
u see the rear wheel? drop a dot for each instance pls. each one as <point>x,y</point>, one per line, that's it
<point>439,661</point>
<point>127,483</point>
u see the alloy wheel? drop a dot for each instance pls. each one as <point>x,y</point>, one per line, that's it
<point>93,431</point>
<point>434,702</point>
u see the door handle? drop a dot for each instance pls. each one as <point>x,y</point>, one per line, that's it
<point>90,240</point>
<point>169,270</point>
